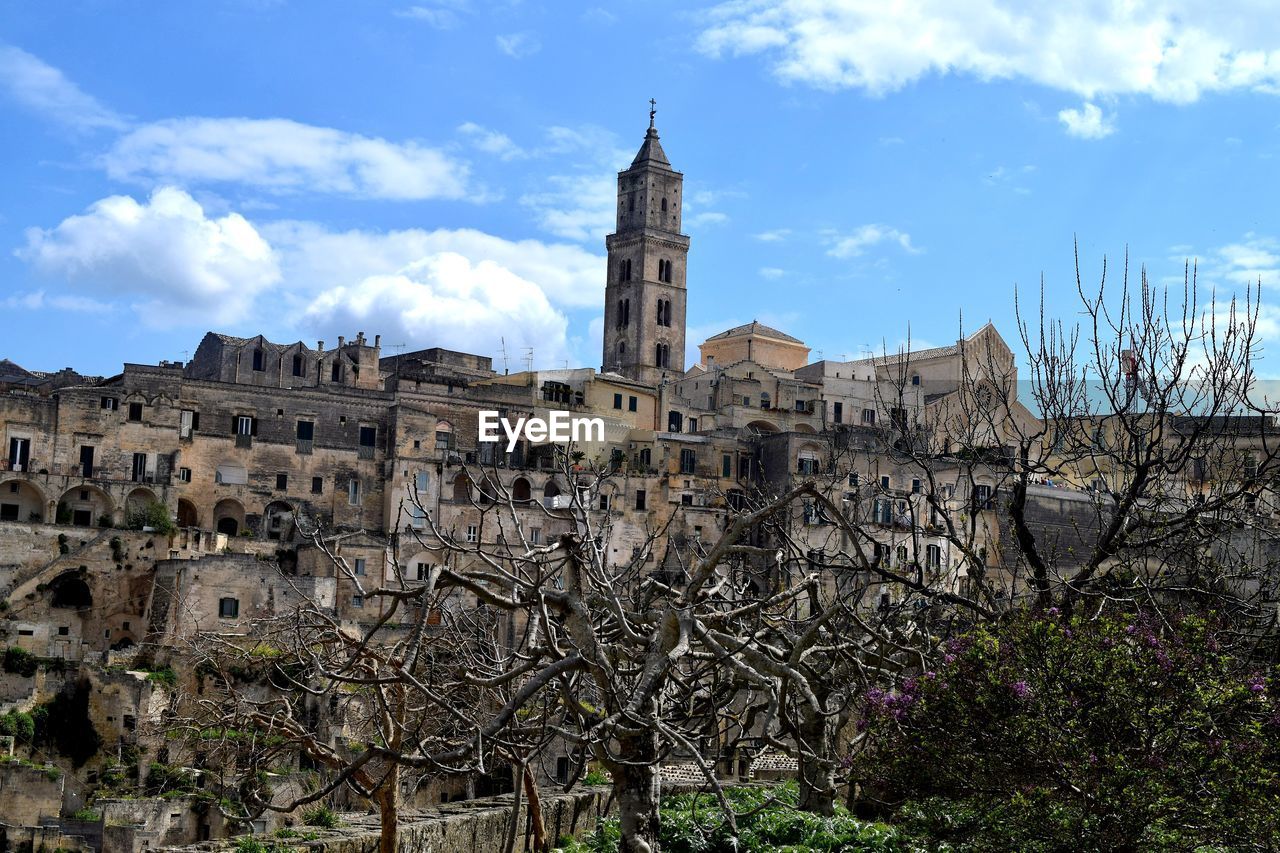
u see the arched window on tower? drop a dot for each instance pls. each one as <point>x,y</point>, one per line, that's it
<point>666,313</point>
<point>626,269</point>
<point>622,348</point>
<point>664,205</point>
<point>626,312</point>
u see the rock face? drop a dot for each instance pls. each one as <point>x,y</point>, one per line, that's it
<point>461,827</point>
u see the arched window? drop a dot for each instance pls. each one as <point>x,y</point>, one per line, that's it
<point>622,347</point>
<point>257,359</point>
<point>664,205</point>
<point>626,312</point>
<point>666,312</point>
<point>626,269</point>
<point>662,355</point>
<point>462,487</point>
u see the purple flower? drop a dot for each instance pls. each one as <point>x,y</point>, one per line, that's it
<point>948,658</point>
<point>1053,611</point>
<point>1020,689</point>
<point>1257,684</point>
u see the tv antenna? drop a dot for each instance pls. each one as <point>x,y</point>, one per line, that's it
<point>506,367</point>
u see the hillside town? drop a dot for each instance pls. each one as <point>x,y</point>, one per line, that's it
<point>154,521</point>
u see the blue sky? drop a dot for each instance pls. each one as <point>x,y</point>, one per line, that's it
<point>441,172</point>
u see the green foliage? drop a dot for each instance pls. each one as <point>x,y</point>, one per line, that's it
<point>1122,732</point>
<point>167,779</point>
<point>64,517</point>
<point>768,820</point>
<point>20,725</point>
<point>253,844</point>
<point>164,675</point>
<point>87,814</point>
<point>154,515</point>
<point>20,661</point>
<point>597,777</point>
<point>321,816</point>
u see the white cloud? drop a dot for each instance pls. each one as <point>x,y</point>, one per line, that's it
<point>36,299</point>
<point>1252,259</point>
<point>866,236</point>
<point>772,272</point>
<point>1170,50</point>
<point>491,141</point>
<point>709,217</point>
<point>309,253</point>
<point>576,207</point>
<point>179,264</point>
<point>518,45</point>
<point>45,89</point>
<point>442,14</point>
<point>774,236</point>
<point>446,300</point>
<point>1088,122</point>
<point>284,156</point>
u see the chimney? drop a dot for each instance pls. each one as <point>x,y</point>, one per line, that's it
<point>320,346</point>
<point>341,340</point>
<point>377,341</point>
<point>359,339</point>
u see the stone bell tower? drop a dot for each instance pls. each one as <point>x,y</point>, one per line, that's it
<point>644,312</point>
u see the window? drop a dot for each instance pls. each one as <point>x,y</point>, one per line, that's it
<point>257,360</point>
<point>675,422</point>
<point>188,422</point>
<point>686,500</point>
<point>64,630</point>
<point>299,367</point>
<point>837,412</point>
<point>982,498</point>
<point>246,425</point>
<point>317,485</point>
<point>139,467</point>
<point>915,487</point>
<point>353,492</point>
<point>662,355</point>
<point>135,411</point>
<point>625,271</point>
<point>624,313</point>
<point>688,461</point>
<point>726,466</point>
<point>807,464</point>
<point>357,601</point>
<point>360,566</point>
<point>335,373</point>
<point>915,380</point>
<point>228,608</point>
<point>933,556</point>
<point>664,205</point>
<point>646,457</point>
<point>882,511</point>
<point>631,404</point>
<point>604,503</point>
<point>617,401</point>
<point>184,475</point>
<point>110,403</point>
<point>884,483</point>
<point>535,536</point>
<point>868,416</point>
<point>444,436</point>
<point>282,481</point>
<point>473,533</point>
<point>640,498</point>
<point>420,481</point>
<point>368,436</point>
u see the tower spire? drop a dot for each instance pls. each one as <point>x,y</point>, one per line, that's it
<point>653,110</point>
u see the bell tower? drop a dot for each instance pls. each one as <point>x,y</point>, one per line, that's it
<point>644,311</point>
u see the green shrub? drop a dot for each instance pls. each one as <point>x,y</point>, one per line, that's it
<point>87,814</point>
<point>164,675</point>
<point>1124,732</point>
<point>597,777</point>
<point>321,816</point>
<point>19,724</point>
<point>20,661</point>
<point>154,515</point>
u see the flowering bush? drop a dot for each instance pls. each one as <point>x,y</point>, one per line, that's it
<point>1047,733</point>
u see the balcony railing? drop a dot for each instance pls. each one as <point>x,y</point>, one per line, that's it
<point>365,451</point>
<point>305,446</point>
<point>244,440</point>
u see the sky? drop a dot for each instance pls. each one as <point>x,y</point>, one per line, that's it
<point>442,172</point>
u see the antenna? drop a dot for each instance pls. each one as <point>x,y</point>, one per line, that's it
<point>528,359</point>
<point>506,368</point>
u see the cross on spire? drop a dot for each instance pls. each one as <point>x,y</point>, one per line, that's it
<point>653,110</point>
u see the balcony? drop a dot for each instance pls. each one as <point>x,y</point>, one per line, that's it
<point>245,441</point>
<point>365,451</point>
<point>558,502</point>
<point>305,446</point>
<point>28,466</point>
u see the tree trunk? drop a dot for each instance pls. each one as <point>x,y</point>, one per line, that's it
<point>637,789</point>
<point>389,810</point>
<point>817,781</point>
<point>540,841</point>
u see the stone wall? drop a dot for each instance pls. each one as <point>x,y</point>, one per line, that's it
<point>28,793</point>
<point>462,827</point>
